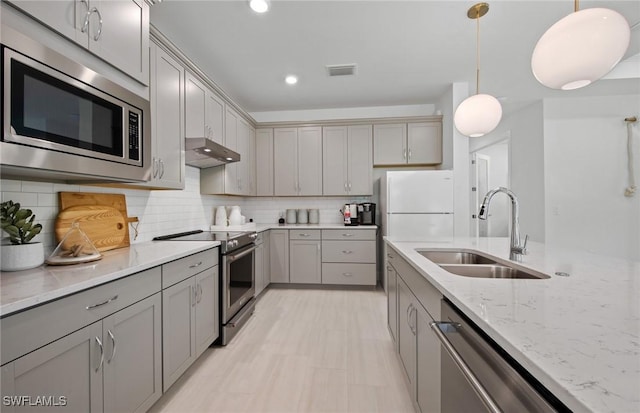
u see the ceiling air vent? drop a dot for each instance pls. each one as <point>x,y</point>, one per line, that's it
<point>341,70</point>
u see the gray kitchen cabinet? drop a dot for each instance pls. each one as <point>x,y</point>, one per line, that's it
<point>113,364</point>
<point>418,143</point>
<point>349,256</point>
<point>407,345</point>
<point>167,117</point>
<point>347,160</point>
<point>204,111</point>
<point>189,321</point>
<point>392,302</point>
<point>99,26</point>
<point>279,255</point>
<point>427,363</point>
<point>297,157</point>
<point>262,264</point>
<point>264,162</point>
<point>305,261</point>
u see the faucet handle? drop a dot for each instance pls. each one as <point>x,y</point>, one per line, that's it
<point>523,248</point>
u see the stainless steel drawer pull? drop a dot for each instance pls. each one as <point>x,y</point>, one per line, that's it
<point>464,368</point>
<point>305,235</point>
<point>101,354</point>
<point>89,307</point>
<point>113,346</point>
<point>196,265</point>
<point>347,252</point>
<point>347,235</point>
<point>347,274</point>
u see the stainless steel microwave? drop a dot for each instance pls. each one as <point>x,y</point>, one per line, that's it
<point>63,120</point>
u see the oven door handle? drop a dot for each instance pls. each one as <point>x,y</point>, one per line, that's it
<point>484,395</point>
<point>236,256</point>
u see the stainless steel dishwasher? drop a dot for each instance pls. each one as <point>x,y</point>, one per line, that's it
<point>478,376</point>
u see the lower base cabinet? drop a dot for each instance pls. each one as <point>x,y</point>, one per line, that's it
<point>262,263</point>
<point>305,261</point>
<point>392,303</point>
<point>407,344</point>
<point>112,365</point>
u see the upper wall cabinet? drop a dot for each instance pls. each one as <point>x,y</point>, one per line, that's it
<point>264,162</point>
<point>297,161</point>
<point>205,111</point>
<point>347,158</point>
<point>117,31</point>
<point>407,144</point>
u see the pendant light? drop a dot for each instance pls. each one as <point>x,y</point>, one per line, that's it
<point>580,48</point>
<point>479,114</point>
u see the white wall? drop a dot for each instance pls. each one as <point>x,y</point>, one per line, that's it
<point>586,173</point>
<point>498,153</point>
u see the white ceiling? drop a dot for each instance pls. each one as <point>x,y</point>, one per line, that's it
<point>407,52</point>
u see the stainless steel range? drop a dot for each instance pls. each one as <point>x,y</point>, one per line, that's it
<point>237,279</point>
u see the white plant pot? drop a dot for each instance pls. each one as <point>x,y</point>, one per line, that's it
<point>21,257</point>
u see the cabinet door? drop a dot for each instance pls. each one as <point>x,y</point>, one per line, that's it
<point>195,104</point>
<point>428,365</point>
<point>207,317</point>
<point>167,80</point>
<point>335,171</point>
<point>243,168</point>
<point>64,16</point>
<point>122,38</point>
<point>68,369</point>
<point>266,263</point>
<point>390,144</point>
<point>310,161</point>
<point>392,302</point>
<point>406,334</point>
<point>259,268</point>
<point>252,163</point>
<point>178,334</point>
<point>231,142</point>
<point>279,255</point>
<point>133,360</point>
<point>285,162</point>
<point>264,162</point>
<point>214,117</point>
<point>360,162</point>
<point>305,262</point>
<point>424,142</point>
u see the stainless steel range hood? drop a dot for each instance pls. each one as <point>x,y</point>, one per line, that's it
<point>205,153</point>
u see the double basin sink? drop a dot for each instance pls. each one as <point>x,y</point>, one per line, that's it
<point>471,264</point>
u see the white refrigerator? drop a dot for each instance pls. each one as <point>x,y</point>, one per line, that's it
<point>417,205</point>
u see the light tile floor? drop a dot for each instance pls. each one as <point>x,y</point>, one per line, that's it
<point>302,351</point>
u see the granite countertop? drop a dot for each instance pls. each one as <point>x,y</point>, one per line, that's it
<point>265,227</point>
<point>578,335</point>
<point>23,289</point>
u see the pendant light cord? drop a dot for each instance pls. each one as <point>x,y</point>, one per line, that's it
<point>631,189</point>
<point>576,5</point>
<point>478,55</point>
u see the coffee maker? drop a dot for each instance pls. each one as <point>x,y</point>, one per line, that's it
<point>350,214</point>
<point>367,213</point>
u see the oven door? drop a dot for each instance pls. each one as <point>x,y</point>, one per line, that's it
<point>238,280</point>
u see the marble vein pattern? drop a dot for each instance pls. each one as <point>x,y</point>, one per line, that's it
<point>578,335</point>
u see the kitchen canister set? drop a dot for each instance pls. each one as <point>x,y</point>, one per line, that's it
<point>303,216</point>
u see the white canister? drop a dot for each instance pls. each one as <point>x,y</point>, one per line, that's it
<point>235,217</point>
<point>221,216</point>
<point>314,216</point>
<point>302,216</point>
<point>291,216</point>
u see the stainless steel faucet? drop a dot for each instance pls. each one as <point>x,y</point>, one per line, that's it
<point>517,249</point>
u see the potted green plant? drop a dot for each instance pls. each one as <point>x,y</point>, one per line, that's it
<point>19,253</point>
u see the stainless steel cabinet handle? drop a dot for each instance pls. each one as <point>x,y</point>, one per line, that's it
<point>464,368</point>
<point>196,265</point>
<point>97,36</point>
<point>101,354</point>
<point>409,309</point>
<point>193,295</point>
<point>404,154</point>
<point>155,167</point>
<point>389,256</point>
<point>161,168</point>
<point>409,154</point>
<point>89,307</point>
<point>199,294</point>
<point>347,235</point>
<point>347,252</point>
<point>345,186</point>
<point>85,24</point>
<point>349,186</point>
<point>305,235</point>
<point>113,344</point>
<point>347,274</point>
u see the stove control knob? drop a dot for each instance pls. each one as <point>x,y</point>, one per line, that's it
<point>254,236</point>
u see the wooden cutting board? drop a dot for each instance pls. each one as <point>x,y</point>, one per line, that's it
<point>104,225</point>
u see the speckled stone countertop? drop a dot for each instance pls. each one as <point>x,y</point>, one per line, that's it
<point>23,289</point>
<point>578,335</point>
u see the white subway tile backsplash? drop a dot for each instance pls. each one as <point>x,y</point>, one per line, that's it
<point>47,200</point>
<point>25,199</point>
<point>42,187</point>
<point>10,185</point>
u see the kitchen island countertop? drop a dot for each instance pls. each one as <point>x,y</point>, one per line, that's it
<point>24,289</point>
<point>579,335</point>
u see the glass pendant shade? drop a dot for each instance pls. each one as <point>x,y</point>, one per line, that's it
<point>580,48</point>
<point>477,115</point>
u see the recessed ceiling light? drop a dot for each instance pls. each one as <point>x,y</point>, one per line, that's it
<point>291,79</point>
<point>259,6</point>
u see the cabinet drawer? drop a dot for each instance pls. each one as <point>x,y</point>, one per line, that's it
<point>310,234</point>
<point>260,237</point>
<point>26,331</point>
<point>178,270</point>
<point>349,234</point>
<point>349,251</point>
<point>352,274</point>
